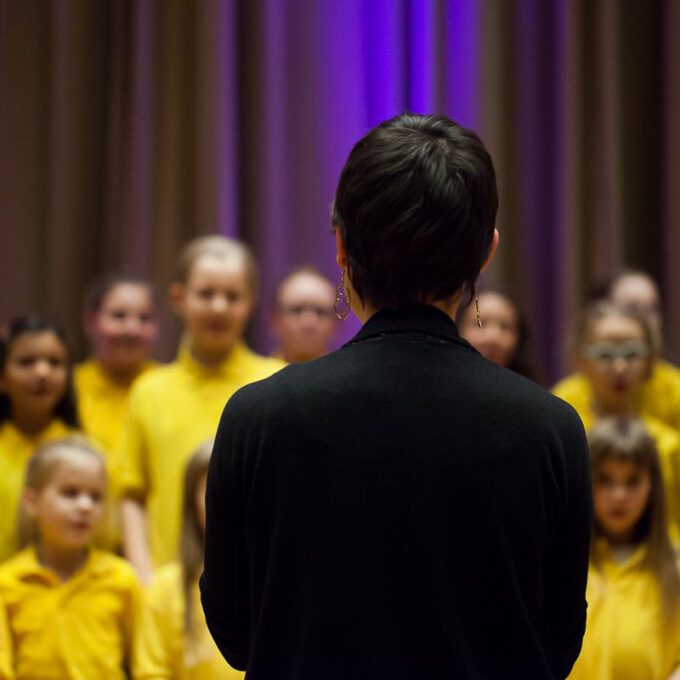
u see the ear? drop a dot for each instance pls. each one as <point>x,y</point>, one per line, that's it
<point>177,294</point>
<point>29,502</point>
<point>340,249</point>
<point>492,250</point>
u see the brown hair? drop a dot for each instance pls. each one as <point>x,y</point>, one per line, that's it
<point>603,309</point>
<point>40,470</point>
<point>627,439</point>
<point>220,247</point>
<point>99,289</point>
<point>192,536</point>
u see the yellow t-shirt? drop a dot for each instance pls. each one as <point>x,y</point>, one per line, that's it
<point>102,403</point>
<point>15,450</point>
<point>172,410</point>
<point>659,397</point>
<point>80,629</point>
<point>163,649</point>
<point>625,637</point>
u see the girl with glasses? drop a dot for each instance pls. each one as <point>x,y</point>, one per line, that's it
<point>614,352</point>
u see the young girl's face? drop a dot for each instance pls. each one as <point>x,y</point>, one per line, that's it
<point>35,375</point>
<point>124,327</point>
<point>68,508</point>
<point>616,361</point>
<point>621,494</point>
<point>215,303</point>
<point>499,338</point>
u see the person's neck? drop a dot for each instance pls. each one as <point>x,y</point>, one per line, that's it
<point>63,562</point>
<point>450,307</point>
<point>121,375</point>
<point>209,358</point>
<point>31,424</point>
<point>601,409</point>
<point>293,357</point>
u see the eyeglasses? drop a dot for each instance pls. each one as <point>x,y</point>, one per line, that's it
<point>299,310</point>
<point>606,353</point>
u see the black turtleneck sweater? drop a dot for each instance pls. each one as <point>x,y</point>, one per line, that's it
<point>401,508</point>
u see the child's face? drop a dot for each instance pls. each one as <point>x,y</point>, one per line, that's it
<point>124,328</point>
<point>616,362</point>
<point>215,303</point>
<point>499,338</point>
<point>36,373</point>
<point>68,508</point>
<point>621,493</point>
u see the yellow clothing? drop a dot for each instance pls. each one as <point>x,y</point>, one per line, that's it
<point>625,637</point>
<point>659,397</point>
<point>668,445</point>
<point>15,450</point>
<point>163,650</point>
<point>172,410</point>
<point>102,403</point>
<point>80,629</point>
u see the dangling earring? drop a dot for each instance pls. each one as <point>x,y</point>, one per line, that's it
<point>479,318</point>
<point>343,299</point>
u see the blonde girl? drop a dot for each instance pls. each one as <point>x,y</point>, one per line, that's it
<point>36,406</point>
<point>69,608</point>
<point>174,408</point>
<point>633,626</point>
<point>614,352</point>
<point>173,639</point>
<point>120,321</point>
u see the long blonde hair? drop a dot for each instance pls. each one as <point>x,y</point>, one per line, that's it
<point>40,470</point>
<point>192,538</point>
<point>626,439</point>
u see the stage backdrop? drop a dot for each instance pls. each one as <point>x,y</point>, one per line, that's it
<point>129,126</point>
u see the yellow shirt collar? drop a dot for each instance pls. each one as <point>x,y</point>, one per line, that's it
<point>14,438</point>
<point>605,556</point>
<point>28,568</point>
<point>227,368</point>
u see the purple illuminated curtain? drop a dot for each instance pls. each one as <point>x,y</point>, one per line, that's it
<point>128,127</point>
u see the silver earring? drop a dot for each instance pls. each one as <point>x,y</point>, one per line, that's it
<point>343,299</point>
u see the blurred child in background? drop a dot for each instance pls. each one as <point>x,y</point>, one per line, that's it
<point>303,317</point>
<point>504,336</point>
<point>660,394</point>
<point>173,639</point>
<point>36,406</point>
<point>633,593</point>
<point>614,352</point>
<point>70,609</point>
<point>174,408</point>
<point>120,321</point>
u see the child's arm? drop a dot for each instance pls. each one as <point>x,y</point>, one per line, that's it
<point>133,480</point>
<point>135,541</point>
<point>6,647</point>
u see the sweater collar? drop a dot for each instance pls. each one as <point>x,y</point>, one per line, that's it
<point>410,318</point>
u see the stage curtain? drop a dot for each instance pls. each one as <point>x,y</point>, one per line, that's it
<point>129,126</point>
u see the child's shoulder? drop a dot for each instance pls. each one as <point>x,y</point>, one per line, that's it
<point>112,567</point>
<point>18,565</point>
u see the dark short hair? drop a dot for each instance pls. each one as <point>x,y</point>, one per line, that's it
<point>67,408</point>
<point>416,204</point>
<point>99,289</point>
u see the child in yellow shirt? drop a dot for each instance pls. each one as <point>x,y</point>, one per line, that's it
<point>121,323</point>
<point>633,593</point>
<point>614,351</point>
<point>173,640</point>
<point>174,408</point>
<point>36,406</point>
<point>69,609</point>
